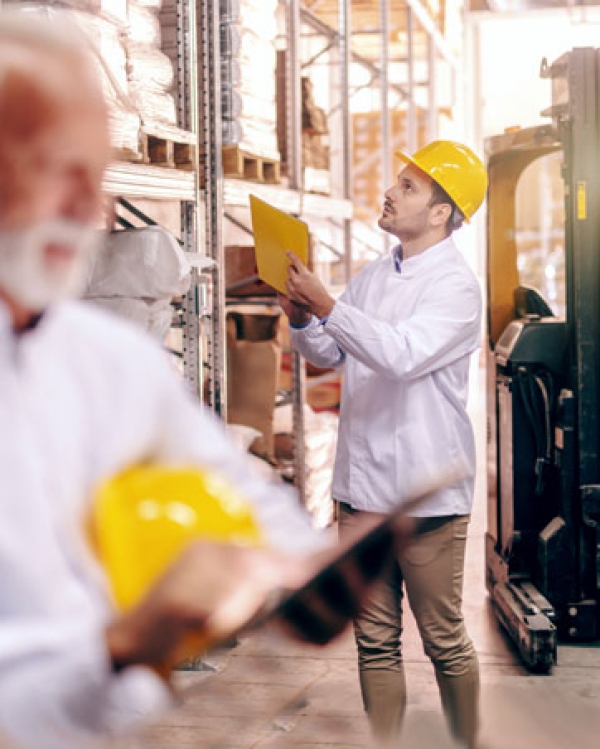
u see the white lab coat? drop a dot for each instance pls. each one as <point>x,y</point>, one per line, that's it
<point>82,396</point>
<point>404,339</point>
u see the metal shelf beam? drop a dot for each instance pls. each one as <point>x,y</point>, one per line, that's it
<point>237,192</point>
<point>325,30</point>
<point>131,180</point>
<point>317,24</point>
<point>427,23</point>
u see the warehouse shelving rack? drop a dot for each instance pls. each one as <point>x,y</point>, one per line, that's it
<point>205,195</point>
<point>220,194</point>
<point>415,17</point>
<point>145,182</point>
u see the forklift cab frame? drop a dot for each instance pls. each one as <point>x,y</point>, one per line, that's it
<point>543,395</point>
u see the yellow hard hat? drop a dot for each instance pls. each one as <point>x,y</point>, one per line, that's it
<point>143,519</point>
<point>455,167</point>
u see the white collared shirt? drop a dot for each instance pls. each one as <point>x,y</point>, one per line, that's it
<point>405,339</point>
<point>83,396</point>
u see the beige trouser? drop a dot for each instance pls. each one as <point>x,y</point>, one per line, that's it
<point>431,569</point>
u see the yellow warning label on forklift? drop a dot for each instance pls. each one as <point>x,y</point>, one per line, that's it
<point>582,201</point>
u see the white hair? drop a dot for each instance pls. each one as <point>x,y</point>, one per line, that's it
<point>38,30</point>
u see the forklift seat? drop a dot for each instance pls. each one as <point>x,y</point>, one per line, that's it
<point>529,302</point>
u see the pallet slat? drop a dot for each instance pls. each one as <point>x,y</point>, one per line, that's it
<point>164,147</point>
<point>238,163</point>
<point>158,151</point>
<point>241,164</point>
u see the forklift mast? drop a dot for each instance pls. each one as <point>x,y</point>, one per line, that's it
<point>543,386</point>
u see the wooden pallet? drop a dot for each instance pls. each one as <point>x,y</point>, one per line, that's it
<point>162,145</point>
<point>127,154</point>
<point>241,164</point>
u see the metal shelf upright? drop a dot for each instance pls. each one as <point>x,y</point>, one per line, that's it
<point>294,151</point>
<point>140,181</point>
<point>220,193</point>
<point>296,15</point>
<point>210,142</point>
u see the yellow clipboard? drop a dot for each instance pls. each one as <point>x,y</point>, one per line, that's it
<point>275,232</point>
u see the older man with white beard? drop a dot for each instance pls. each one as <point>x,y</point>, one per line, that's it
<point>83,397</point>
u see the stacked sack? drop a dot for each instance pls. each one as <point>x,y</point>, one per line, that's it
<point>248,60</point>
<point>136,273</point>
<point>150,76</point>
<point>248,68</point>
<point>320,443</point>
<point>105,24</point>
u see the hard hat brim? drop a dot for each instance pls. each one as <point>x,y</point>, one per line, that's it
<point>406,158</point>
<point>409,160</point>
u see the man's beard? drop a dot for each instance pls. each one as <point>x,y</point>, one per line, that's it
<point>35,280</point>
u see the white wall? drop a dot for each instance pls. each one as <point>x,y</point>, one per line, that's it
<point>503,83</point>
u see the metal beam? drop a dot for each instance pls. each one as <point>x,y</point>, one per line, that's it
<point>191,232</point>
<point>432,109</point>
<point>384,13</point>
<point>294,97</point>
<point>375,70</point>
<point>317,24</point>
<point>212,171</point>
<point>411,120</point>
<point>319,54</point>
<point>427,24</point>
<point>334,35</point>
<point>345,26</point>
<point>296,182</point>
<point>351,94</point>
<point>316,4</point>
<point>369,161</point>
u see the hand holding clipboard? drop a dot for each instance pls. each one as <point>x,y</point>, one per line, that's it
<point>275,234</point>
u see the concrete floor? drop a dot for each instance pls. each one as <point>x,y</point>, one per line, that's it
<point>267,693</point>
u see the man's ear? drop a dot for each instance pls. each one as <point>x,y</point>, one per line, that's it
<point>440,214</point>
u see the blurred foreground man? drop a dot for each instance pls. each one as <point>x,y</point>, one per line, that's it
<point>404,330</point>
<point>83,397</point>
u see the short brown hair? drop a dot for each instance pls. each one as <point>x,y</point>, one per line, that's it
<point>440,197</point>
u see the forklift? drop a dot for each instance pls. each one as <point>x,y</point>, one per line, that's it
<point>543,376</point>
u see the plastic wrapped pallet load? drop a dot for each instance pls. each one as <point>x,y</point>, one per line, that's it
<point>258,19</point>
<point>150,72</point>
<point>320,442</point>
<point>154,317</point>
<point>111,58</point>
<point>148,68</point>
<point>143,25</point>
<point>248,34</point>
<point>256,138</point>
<point>104,24</point>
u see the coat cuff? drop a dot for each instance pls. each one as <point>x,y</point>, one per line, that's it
<point>339,320</point>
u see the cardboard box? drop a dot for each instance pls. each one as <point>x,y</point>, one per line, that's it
<point>253,368</point>
<point>316,152</point>
<point>241,273</point>
<point>255,326</point>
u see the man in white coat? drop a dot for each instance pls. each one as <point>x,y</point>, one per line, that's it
<point>404,331</point>
<point>83,397</point>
